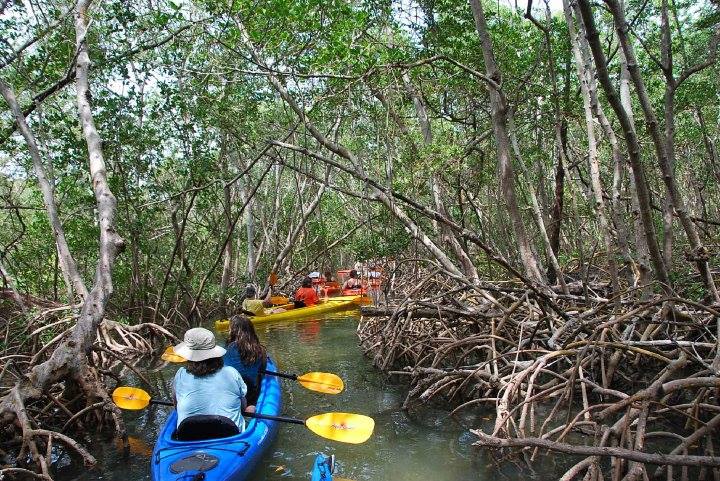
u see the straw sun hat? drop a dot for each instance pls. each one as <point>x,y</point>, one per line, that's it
<point>199,345</point>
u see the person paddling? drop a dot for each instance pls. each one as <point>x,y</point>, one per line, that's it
<point>205,386</point>
<point>252,306</point>
<point>246,354</point>
<point>306,295</point>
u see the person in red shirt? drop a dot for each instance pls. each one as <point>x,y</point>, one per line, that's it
<point>306,294</point>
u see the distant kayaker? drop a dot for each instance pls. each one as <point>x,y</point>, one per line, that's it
<point>205,386</point>
<point>246,354</point>
<point>353,282</point>
<point>252,306</point>
<point>306,295</point>
<point>328,277</point>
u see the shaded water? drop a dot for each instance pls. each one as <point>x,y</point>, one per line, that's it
<point>401,449</point>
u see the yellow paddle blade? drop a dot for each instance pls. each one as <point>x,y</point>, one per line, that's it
<point>279,300</point>
<point>222,325</point>
<point>324,382</point>
<point>130,398</point>
<point>272,280</point>
<point>170,356</point>
<point>343,427</point>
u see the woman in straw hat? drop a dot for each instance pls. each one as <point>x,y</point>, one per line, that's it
<point>205,385</point>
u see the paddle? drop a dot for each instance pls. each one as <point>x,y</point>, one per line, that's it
<point>324,382</point>
<point>343,427</point>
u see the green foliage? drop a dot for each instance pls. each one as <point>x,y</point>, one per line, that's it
<point>183,110</point>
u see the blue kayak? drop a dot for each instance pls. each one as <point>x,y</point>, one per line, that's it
<point>225,459</point>
<point>323,468</point>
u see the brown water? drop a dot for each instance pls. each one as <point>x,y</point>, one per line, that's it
<point>431,447</point>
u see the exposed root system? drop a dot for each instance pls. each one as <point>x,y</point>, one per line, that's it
<point>37,422</point>
<point>630,386</point>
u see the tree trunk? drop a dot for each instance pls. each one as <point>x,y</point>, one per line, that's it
<point>669,111</point>
<point>67,261</point>
<point>633,145</point>
<point>227,210</point>
<point>69,361</point>
<point>250,232</point>
<point>436,186</point>
<point>699,252</point>
<point>594,163</point>
<point>641,243</point>
<point>499,106</point>
<point>295,232</point>
<point>536,209</point>
<point>710,147</point>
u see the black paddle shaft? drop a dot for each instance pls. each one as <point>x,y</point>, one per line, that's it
<point>280,374</point>
<point>281,419</point>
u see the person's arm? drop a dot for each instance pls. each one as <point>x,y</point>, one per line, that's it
<point>267,302</point>
<point>242,388</point>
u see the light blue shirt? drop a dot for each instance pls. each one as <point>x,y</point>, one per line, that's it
<point>219,394</point>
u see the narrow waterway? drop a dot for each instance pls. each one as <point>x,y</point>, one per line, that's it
<point>401,449</point>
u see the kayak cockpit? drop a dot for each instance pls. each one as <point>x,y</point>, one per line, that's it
<point>205,426</point>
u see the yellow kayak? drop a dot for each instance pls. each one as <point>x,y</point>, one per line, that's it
<point>359,300</point>
<point>332,304</point>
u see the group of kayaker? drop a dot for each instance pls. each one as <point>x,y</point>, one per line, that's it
<point>225,382</point>
<point>354,280</point>
<point>219,381</point>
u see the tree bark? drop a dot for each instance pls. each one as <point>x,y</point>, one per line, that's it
<point>69,361</point>
<point>633,145</point>
<point>699,252</point>
<point>499,106</point>
<point>536,209</point>
<point>594,164</point>
<point>560,126</point>
<point>643,274</point>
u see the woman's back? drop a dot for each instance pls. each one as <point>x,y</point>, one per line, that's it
<point>249,371</point>
<point>219,393</point>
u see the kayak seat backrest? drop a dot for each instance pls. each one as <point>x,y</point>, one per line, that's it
<point>205,426</point>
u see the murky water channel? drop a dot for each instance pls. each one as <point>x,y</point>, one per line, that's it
<point>402,449</point>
